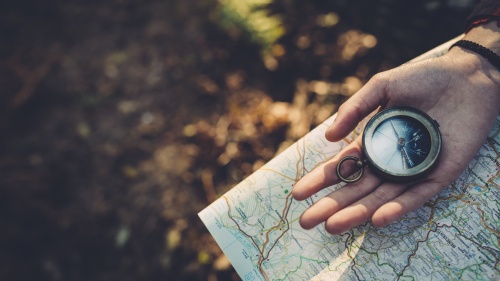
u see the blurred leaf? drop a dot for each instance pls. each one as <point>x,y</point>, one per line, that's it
<point>204,257</point>
<point>173,239</point>
<point>251,17</point>
<point>122,236</point>
<point>130,172</point>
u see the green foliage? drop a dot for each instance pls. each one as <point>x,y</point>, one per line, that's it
<point>250,18</point>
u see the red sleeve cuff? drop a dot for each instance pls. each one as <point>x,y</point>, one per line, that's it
<point>485,11</point>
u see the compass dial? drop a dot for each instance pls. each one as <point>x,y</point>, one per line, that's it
<point>401,143</point>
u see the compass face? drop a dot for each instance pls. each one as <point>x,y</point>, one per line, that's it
<point>401,143</point>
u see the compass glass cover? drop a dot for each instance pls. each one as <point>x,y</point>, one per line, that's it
<point>401,142</point>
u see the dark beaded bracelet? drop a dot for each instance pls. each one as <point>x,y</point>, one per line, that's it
<point>493,58</point>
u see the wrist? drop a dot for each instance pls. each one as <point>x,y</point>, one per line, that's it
<point>470,68</point>
<point>487,35</point>
<point>470,63</point>
<point>483,58</point>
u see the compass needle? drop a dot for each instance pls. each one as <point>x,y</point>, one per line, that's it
<point>407,157</point>
<point>403,159</point>
<point>395,132</point>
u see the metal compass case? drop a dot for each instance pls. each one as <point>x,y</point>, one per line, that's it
<point>401,144</point>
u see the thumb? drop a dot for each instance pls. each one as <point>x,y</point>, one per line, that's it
<point>364,102</point>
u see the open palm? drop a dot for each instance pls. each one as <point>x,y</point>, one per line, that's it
<point>458,90</point>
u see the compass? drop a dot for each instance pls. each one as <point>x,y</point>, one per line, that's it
<point>400,144</point>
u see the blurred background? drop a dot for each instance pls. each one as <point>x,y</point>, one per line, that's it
<point>120,120</point>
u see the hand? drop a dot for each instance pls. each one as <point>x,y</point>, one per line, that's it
<point>460,90</point>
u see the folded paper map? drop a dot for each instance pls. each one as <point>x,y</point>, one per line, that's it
<point>456,235</point>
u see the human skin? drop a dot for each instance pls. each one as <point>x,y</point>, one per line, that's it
<point>460,90</point>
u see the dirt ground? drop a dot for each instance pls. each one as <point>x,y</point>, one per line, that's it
<point>121,120</point>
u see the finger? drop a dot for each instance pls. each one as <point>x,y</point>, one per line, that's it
<point>407,202</point>
<point>339,199</point>
<point>421,192</point>
<point>364,102</point>
<point>326,175</point>
<point>363,210</point>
